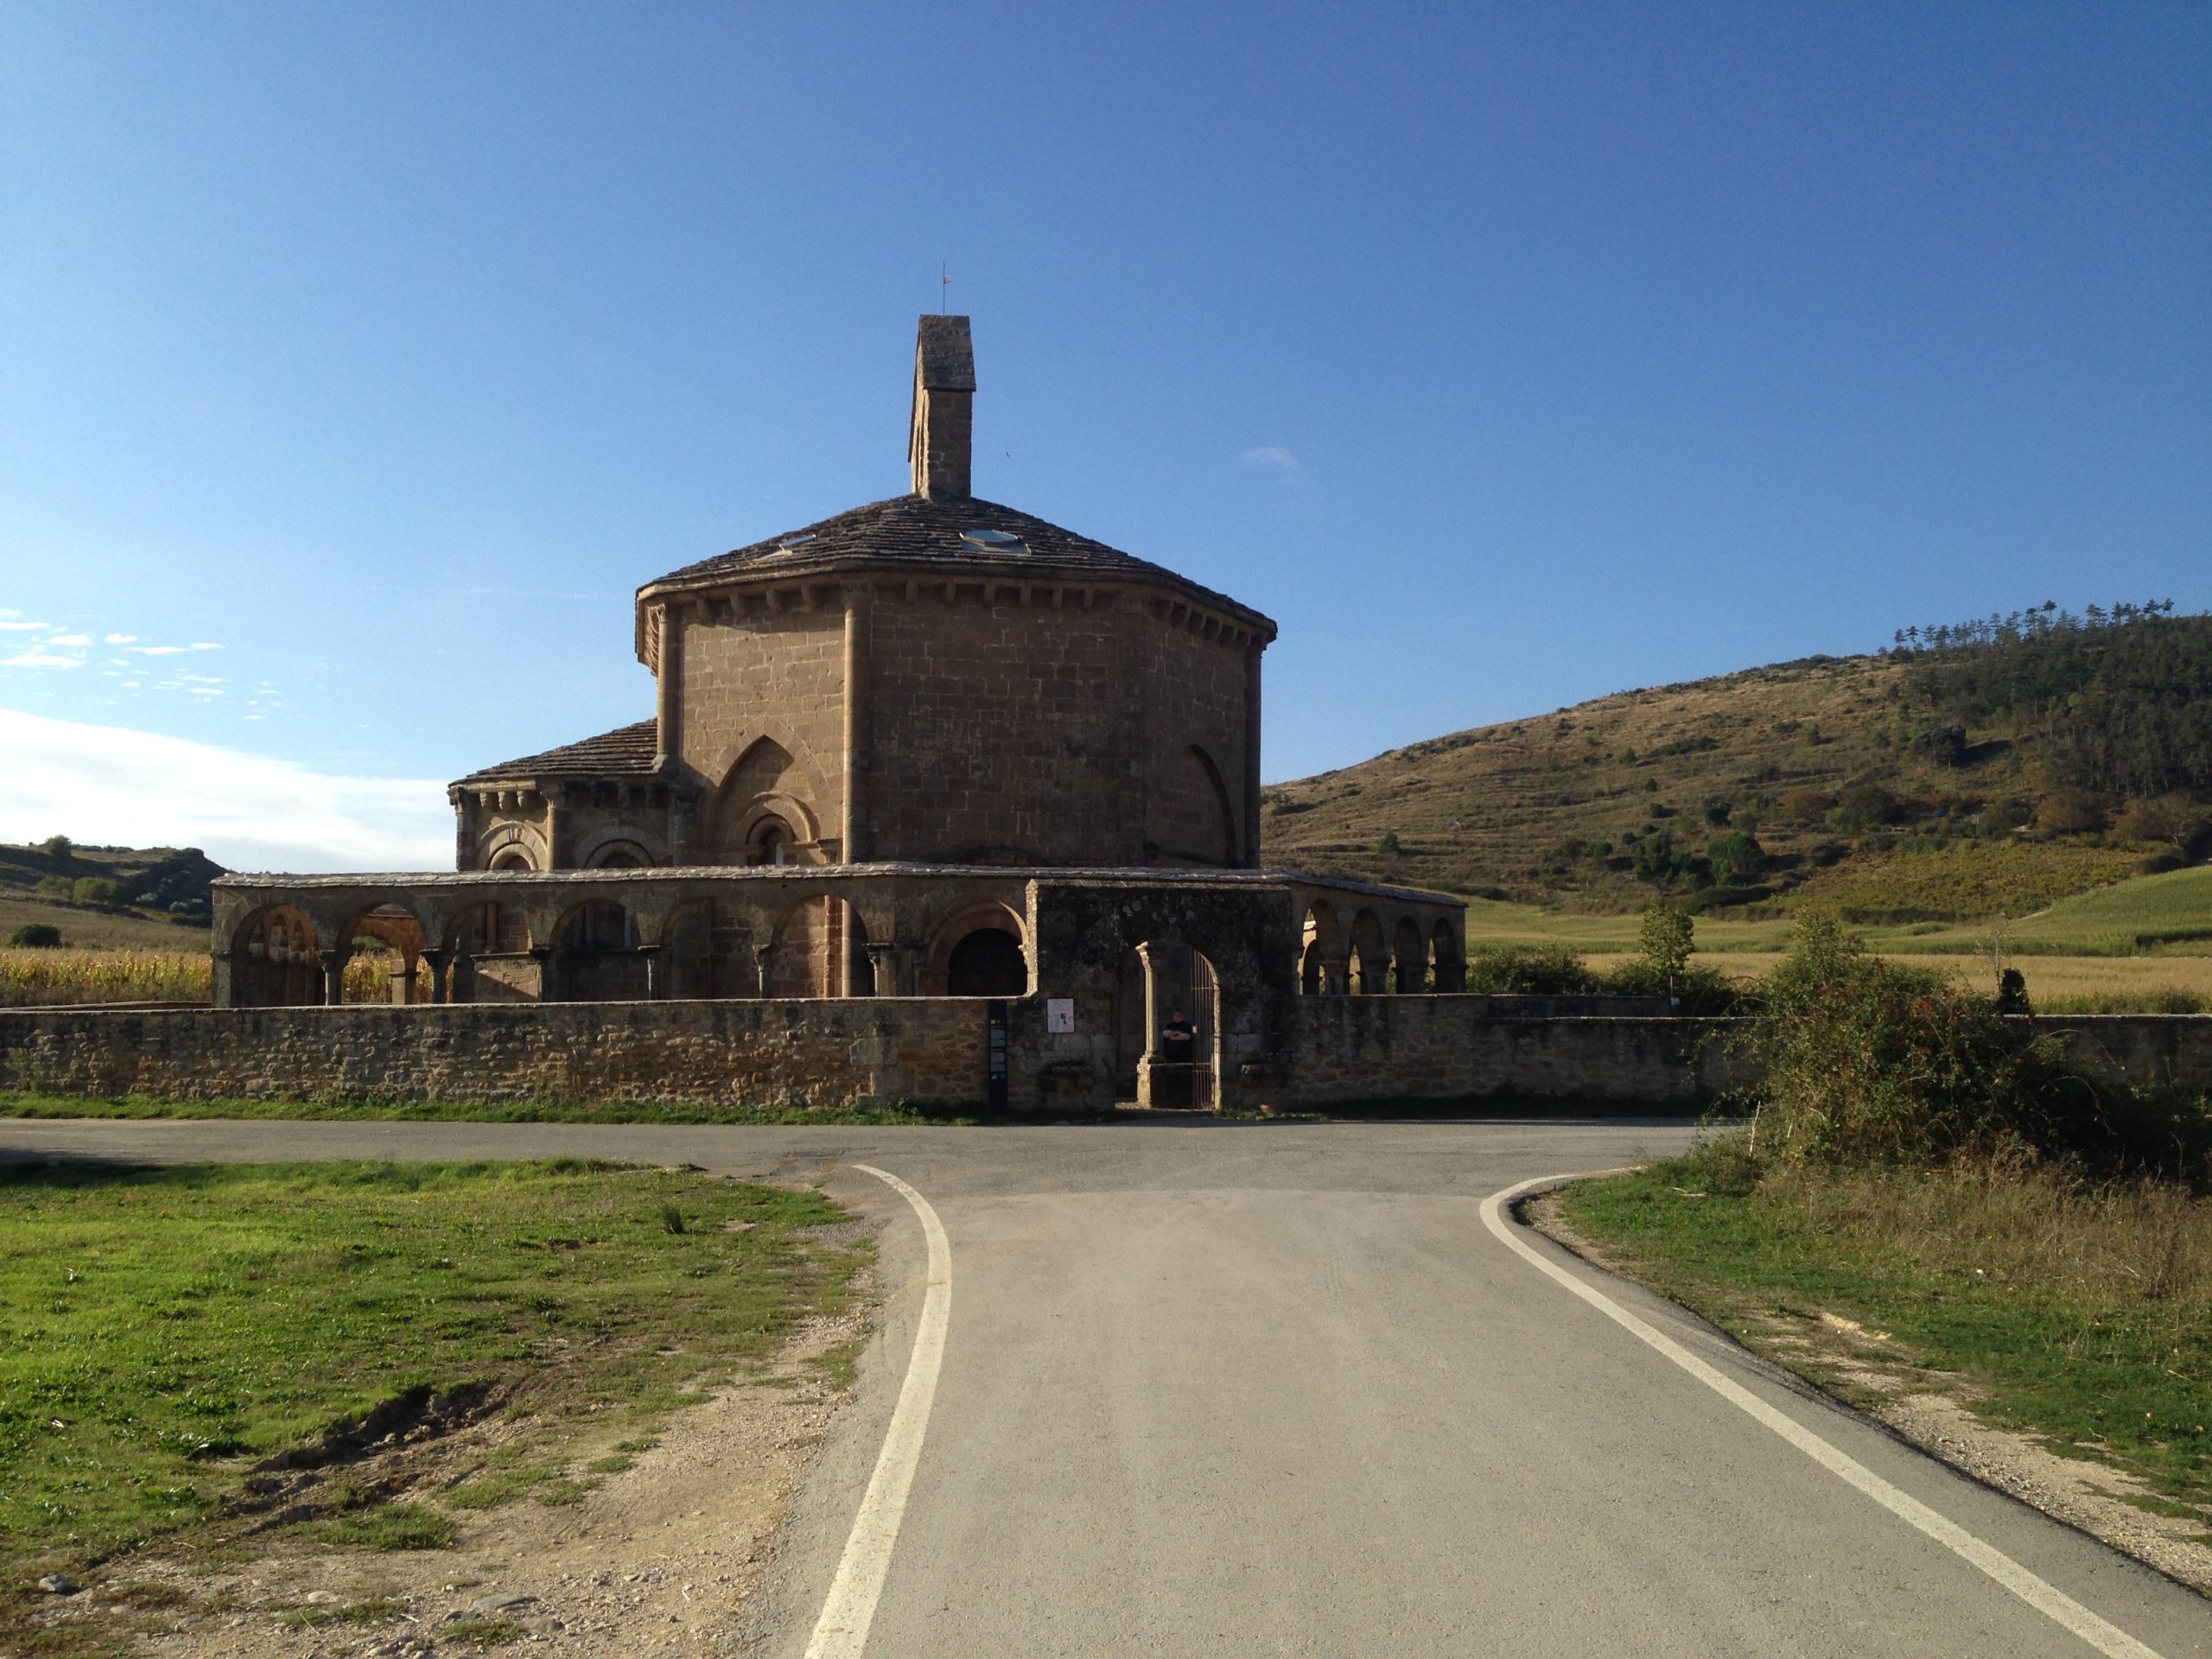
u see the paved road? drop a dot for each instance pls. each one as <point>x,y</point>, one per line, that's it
<point>1276,1390</point>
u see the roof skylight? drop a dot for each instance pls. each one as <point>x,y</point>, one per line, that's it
<point>994,541</point>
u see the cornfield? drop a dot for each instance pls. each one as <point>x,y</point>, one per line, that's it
<point>44,978</point>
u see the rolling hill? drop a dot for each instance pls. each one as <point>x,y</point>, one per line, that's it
<point>1992,776</point>
<point>141,897</point>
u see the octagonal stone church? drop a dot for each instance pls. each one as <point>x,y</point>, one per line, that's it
<point>886,750</point>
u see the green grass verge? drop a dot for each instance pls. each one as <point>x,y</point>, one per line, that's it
<point>164,1330</point>
<point>2078,1316</point>
<point>21,1104</point>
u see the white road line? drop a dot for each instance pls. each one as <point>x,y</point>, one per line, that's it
<point>842,1631</point>
<point>2105,1638</point>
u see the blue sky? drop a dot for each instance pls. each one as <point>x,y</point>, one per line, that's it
<point>358,363</point>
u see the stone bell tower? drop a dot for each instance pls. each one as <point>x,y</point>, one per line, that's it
<point>938,437</point>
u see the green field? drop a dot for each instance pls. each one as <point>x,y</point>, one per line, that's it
<point>167,1329</point>
<point>2145,915</point>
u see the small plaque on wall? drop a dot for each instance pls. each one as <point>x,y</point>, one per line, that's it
<point>1060,1013</point>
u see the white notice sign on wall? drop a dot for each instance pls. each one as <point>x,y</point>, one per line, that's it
<point>1060,1013</point>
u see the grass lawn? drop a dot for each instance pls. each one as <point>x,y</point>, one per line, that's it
<point>2083,1318</point>
<point>168,1330</point>
<point>17,1104</point>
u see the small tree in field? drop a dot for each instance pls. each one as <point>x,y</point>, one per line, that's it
<point>1667,938</point>
<point>58,848</point>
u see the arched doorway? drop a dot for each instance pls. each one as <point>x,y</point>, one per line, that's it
<point>1167,984</point>
<point>986,962</point>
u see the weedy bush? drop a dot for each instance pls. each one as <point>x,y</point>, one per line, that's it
<point>1530,971</point>
<point>35,936</point>
<point>1870,1062</point>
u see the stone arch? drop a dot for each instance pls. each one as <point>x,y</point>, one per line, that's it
<point>1408,958</point>
<point>488,945</point>
<point>512,846</point>
<point>708,951</point>
<point>819,950</point>
<point>1448,961</point>
<point>958,923</point>
<point>1193,820</point>
<point>1231,843</point>
<point>596,954</point>
<point>1368,953</point>
<point>763,778</point>
<point>617,852</point>
<point>1159,978</point>
<point>276,959</point>
<point>386,970</point>
<point>1321,950</point>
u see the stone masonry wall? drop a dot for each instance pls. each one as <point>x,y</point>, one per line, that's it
<point>1195,692</point>
<point>998,728</point>
<point>796,1053</point>
<point>785,668</point>
<point>1342,1051</point>
<point>1440,1048</point>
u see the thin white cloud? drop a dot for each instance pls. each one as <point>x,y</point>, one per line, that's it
<point>107,783</point>
<point>12,626</point>
<point>40,660</point>
<point>155,651</point>
<point>204,644</point>
<point>121,639</point>
<point>75,640</point>
<point>1272,457</point>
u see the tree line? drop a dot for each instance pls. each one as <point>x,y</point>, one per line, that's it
<point>2120,700</point>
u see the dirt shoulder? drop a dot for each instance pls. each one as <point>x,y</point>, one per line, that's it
<point>649,1559</point>
<point>1866,1370</point>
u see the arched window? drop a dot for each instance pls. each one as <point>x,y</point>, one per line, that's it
<point>770,842</point>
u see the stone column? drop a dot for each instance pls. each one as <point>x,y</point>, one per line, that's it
<point>883,960</point>
<point>333,976</point>
<point>655,972</point>
<point>435,959</point>
<point>549,973</point>
<point>229,977</point>
<point>764,963</point>
<point>683,823</point>
<point>859,639</point>
<point>464,828</point>
<point>1252,755</point>
<point>668,689</point>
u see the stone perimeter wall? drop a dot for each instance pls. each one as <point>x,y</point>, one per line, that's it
<point>1343,1050</point>
<point>808,1054</point>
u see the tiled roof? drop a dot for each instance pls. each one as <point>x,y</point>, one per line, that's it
<point>929,531</point>
<point>626,750</point>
